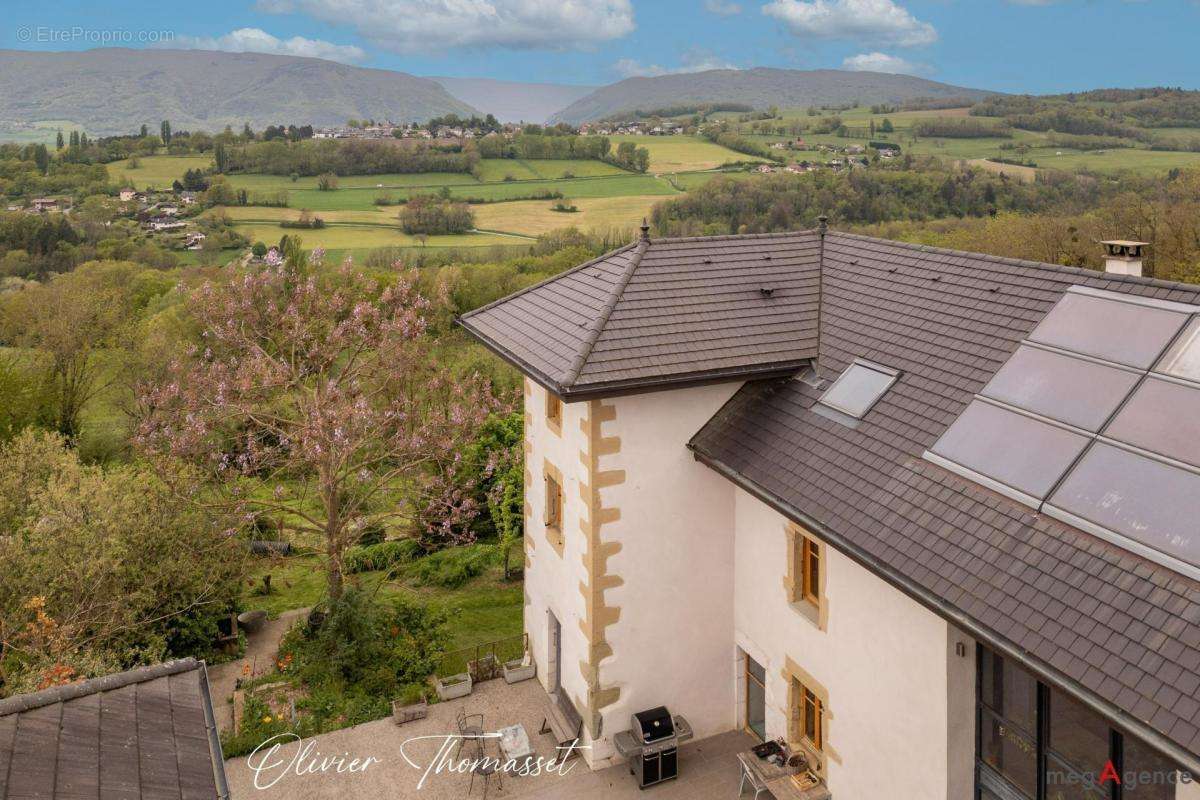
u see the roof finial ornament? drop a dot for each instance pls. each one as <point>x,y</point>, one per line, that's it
<point>822,224</point>
<point>645,230</point>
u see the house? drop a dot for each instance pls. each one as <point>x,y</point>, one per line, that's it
<point>146,733</point>
<point>765,169</point>
<point>871,497</point>
<point>45,204</point>
<point>127,195</point>
<point>194,240</point>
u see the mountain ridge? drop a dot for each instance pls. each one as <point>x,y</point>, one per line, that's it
<point>758,87</point>
<point>116,90</point>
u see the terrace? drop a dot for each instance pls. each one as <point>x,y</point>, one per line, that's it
<point>708,768</point>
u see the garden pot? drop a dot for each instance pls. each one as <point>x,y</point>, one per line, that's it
<point>454,686</point>
<point>409,713</point>
<point>252,621</point>
<point>517,670</point>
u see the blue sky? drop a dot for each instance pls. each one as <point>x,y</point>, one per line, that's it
<point>1009,45</point>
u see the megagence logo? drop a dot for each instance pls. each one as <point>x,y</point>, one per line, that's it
<point>1129,779</point>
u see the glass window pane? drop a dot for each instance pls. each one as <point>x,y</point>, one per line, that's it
<point>1123,332</point>
<point>1023,453</point>
<point>1070,390</point>
<point>1144,500</point>
<point>1009,752</point>
<point>756,670</point>
<point>1145,774</point>
<point>1163,417</point>
<point>857,389</point>
<point>1183,359</point>
<point>1010,691</point>
<point>1078,735</point>
<point>1068,783</point>
<point>756,709</point>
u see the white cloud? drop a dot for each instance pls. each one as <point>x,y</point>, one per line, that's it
<point>722,8</point>
<point>692,61</point>
<point>882,62</point>
<point>407,26</point>
<point>875,21</point>
<point>256,40</point>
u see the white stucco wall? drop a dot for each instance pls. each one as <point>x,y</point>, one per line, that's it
<point>672,643</point>
<point>889,666</point>
<point>552,581</point>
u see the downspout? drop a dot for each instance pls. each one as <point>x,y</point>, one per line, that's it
<point>822,229</point>
<point>214,738</point>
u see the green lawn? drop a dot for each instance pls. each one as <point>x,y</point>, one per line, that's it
<point>485,609</point>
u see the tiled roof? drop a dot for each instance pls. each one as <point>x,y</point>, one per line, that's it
<point>663,311</point>
<point>1107,624</point>
<point>147,733</point>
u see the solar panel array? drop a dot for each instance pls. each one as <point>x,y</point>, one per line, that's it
<point>1095,420</point>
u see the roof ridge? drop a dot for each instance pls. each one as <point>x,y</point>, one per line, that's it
<point>725,236</point>
<point>105,683</point>
<point>551,279</point>
<point>1136,280</point>
<point>610,303</point>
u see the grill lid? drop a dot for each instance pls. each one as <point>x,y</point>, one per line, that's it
<point>654,724</point>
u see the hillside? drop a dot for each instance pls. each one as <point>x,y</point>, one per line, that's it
<point>514,102</point>
<point>115,90</point>
<point>759,87</point>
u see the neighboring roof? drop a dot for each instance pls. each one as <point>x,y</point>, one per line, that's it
<point>146,733</point>
<point>663,311</point>
<point>1113,628</point>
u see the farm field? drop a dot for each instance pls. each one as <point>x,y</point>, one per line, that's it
<point>43,132</point>
<point>536,217</point>
<point>157,171</point>
<point>360,238</point>
<point>682,153</point>
<point>343,199</point>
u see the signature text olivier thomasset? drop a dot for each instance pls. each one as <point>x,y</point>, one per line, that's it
<point>271,762</point>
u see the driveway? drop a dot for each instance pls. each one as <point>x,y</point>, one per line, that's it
<point>708,769</point>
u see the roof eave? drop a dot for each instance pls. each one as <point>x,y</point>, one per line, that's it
<point>954,615</point>
<point>777,369</point>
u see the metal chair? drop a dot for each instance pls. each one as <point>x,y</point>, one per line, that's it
<point>752,779</point>
<point>487,768</point>
<point>470,726</point>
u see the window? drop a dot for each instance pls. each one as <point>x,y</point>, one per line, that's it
<point>1037,743</point>
<point>554,411</point>
<point>803,581</point>
<point>756,699</point>
<point>859,388</point>
<point>554,503</point>
<point>806,715</point>
<point>810,570</point>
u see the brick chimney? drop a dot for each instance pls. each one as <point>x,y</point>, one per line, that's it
<point>1123,257</point>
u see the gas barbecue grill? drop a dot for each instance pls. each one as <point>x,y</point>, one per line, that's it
<point>652,745</point>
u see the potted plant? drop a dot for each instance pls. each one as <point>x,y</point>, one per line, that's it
<point>453,686</point>
<point>519,669</point>
<point>411,705</point>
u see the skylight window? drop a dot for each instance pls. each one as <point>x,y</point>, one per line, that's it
<point>1183,359</point>
<point>859,388</point>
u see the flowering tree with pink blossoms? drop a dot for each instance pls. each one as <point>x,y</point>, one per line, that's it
<point>315,396</point>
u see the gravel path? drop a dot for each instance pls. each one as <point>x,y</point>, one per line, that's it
<point>261,650</point>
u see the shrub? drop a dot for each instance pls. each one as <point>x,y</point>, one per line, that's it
<point>454,566</point>
<point>432,216</point>
<point>375,646</point>
<point>382,555</point>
